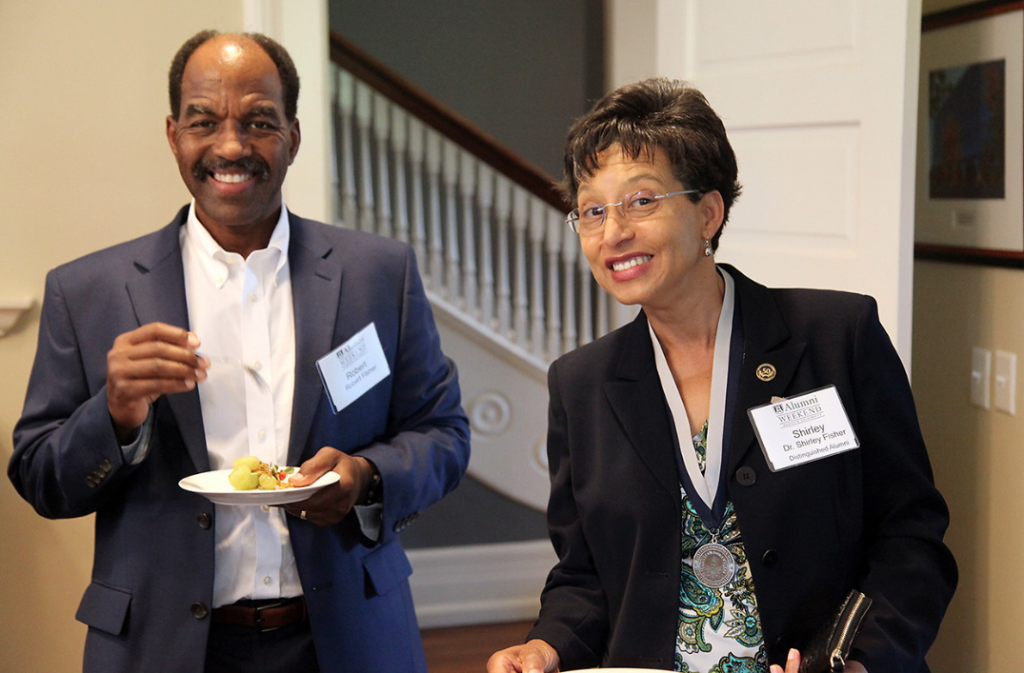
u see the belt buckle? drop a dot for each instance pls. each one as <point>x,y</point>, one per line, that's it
<point>258,616</point>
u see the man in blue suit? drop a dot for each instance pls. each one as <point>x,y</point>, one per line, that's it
<point>123,403</point>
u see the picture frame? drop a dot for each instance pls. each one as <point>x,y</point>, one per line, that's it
<point>970,136</point>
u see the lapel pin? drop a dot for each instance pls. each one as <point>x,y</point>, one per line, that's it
<point>766,372</point>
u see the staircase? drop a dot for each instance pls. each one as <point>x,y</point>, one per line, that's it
<point>510,292</point>
<point>510,289</point>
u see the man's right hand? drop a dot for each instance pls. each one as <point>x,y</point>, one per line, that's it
<point>536,656</point>
<point>144,364</point>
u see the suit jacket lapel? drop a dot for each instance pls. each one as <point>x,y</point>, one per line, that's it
<point>639,404</point>
<point>157,294</point>
<point>766,341</point>
<point>316,292</point>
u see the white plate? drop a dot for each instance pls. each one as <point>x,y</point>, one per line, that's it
<point>617,670</point>
<point>214,486</point>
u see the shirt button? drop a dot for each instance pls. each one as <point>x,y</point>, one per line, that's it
<point>265,508</point>
<point>262,434</point>
<point>267,581</point>
<point>253,298</point>
<point>258,366</point>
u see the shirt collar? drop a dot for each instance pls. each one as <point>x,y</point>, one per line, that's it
<point>215,260</point>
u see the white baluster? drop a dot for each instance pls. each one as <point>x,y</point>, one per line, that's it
<point>450,171</point>
<point>400,145</point>
<point>538,329</point>
<point>467,191</point>
<point>521,257</point>
<point>485,202</point>
<point>364,113</point>
<point>556,223</point>
<point>585,282</point>
<point>419,219</point>
<point>382,147</point>
<point>502,217</point>
<point>348,208</point>
<point>435,225</point>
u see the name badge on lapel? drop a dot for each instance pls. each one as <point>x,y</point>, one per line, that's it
<point>801,429</point>
<point>353,368</point>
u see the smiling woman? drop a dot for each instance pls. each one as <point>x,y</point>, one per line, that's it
<point>233,139</point>
<point>680,546</point>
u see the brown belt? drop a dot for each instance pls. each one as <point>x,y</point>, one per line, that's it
<point>261,618</point>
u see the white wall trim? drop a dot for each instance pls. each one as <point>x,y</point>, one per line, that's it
<point>479,584</point>
<point>301,26</point>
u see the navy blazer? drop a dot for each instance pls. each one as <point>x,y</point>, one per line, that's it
<point>870,518</point>
<point>148,605</point>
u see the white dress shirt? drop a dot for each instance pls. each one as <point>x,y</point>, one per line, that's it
<point>242,308</point>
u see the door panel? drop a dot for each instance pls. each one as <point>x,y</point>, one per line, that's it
<point>820,101</point>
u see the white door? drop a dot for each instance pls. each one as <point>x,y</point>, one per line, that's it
<point>820,101</point>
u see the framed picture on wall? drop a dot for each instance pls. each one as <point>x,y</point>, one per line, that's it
<point>970,139</point>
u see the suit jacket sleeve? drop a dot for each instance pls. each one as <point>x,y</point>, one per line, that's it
<point>67,461</point>
<point>907,570</point>
<point>426,449</point>
<point>574,608</point>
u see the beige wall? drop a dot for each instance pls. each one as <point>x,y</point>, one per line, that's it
<point>84,164</point>
<point>976,453</point>
<point>977,456</point>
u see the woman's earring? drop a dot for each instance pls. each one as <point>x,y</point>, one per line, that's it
<point>707,247</point>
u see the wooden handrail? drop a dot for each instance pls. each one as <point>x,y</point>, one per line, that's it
<point>456,128</point>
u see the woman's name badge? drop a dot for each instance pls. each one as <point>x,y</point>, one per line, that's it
<point>798,430</point>
<point>352,368</point>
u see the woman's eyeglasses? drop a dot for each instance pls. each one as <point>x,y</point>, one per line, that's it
<point>635,207</point>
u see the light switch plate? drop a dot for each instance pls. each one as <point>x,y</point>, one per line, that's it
<point>1005,383</point>
<point>981,369</point>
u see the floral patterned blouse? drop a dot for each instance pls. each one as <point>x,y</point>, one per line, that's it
<point>719,630</point>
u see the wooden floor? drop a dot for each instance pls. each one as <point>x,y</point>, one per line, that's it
<point>466,649</point>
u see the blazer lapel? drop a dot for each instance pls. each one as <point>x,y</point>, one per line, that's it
<point>316,292</point>
<point>767,344</point>
<point>157,294</point>
<point>638,402</point>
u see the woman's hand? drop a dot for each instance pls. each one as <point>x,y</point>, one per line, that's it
<point>536,656</point>
<point>793,665</point>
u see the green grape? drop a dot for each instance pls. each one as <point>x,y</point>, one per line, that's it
<point>251,462</point>
<point>268,482</point>
<point>243,479</point>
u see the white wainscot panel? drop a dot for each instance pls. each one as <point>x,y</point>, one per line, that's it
<point>505,397</point>
<point>746,33</point>
<point>799,189</point>
<point>479,584</point>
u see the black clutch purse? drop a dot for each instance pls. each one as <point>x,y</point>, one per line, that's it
<point>828,651</point>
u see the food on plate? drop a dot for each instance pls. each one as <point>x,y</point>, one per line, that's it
<point>249,473</point>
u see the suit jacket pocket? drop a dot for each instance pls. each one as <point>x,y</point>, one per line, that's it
<point>386,568</point>
<point>104,607</point>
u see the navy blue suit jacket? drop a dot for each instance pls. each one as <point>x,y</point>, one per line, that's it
<point>152,583</point>
<point>870,518</point>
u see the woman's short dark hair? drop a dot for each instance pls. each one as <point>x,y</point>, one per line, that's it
<point>278,54</point>
<point>647,115</point>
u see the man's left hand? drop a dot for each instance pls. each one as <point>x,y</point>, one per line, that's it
<point>330,505</point>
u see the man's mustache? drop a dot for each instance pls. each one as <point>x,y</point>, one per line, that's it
<point>257,167</point>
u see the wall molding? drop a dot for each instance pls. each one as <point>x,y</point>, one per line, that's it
<point>479,584</point>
